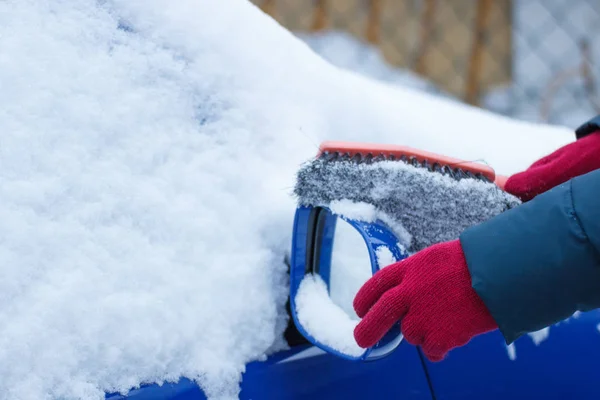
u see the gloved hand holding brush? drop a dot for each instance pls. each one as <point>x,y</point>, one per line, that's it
<point>520,271</point>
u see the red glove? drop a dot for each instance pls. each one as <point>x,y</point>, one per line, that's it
<point>431,293</point>
<point>568,162</point>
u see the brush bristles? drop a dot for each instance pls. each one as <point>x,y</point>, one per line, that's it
<point>369,158</point>
<point>430,205</point>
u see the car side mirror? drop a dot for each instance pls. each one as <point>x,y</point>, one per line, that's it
<point>332,257</point>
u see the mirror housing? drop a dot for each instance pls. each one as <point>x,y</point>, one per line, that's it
<point>312,247</point>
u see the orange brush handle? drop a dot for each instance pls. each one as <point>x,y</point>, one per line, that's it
<point>353,148</point>
<point>501,181</point>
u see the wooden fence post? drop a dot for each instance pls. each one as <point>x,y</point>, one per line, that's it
<point>374,21</point>
<point>319,15</point>
<point>268,7</point>
<point>474,72</point>
<point>426,27</point>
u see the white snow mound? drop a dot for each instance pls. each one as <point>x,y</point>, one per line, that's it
<point>325,320</point>
<point>147,157</point>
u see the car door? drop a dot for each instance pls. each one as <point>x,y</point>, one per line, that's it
<point>306,372</point>
<point>560,362</point>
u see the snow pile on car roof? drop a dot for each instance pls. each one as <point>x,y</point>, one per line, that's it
<point>147,158</point>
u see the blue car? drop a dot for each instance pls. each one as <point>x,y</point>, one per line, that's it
<point>564,366</point>
<point>560,362</point>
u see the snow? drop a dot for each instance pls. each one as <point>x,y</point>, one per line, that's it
<point>346,51</point>
<point>355,210</point>
<point>384,257</point>
<point>146,161</point>
<point>535,64</point>
<point>539,336</point>
<point>512,351</point>
<point>431,207</point>
<point>366,212</point>
<point>325,320</point>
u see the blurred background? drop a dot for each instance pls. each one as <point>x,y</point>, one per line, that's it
<point>534,60</point>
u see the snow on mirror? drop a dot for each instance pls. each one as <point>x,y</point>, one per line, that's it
<point>332,258</point>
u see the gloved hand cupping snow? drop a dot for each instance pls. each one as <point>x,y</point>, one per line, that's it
<point>569,161</point>
<point>431,293</point>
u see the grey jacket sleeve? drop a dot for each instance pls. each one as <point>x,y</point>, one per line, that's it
<point>538,263</point>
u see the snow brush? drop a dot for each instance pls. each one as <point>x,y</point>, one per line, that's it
<point>426,198</point>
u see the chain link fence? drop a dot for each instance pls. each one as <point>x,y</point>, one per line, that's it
<point>534,60</point>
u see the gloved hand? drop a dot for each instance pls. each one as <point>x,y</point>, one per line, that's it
<point>568,162</point>
<point>431,293</point>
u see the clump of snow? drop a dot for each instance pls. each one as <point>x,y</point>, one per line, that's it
<point>542,335</point>
<point>512,351</point>
<point>350,266</point>
<point>384,257</point>
<point>323,319</point>
<point>402,249</point>
<point>366,212</point>
<point>357,210</point>
<point>146,161</point>
<point>539,336</point>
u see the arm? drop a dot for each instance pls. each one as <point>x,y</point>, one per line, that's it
<point>521,271</point>
<point>540,262</point>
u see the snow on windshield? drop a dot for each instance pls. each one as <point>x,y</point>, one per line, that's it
<point>147,159</point>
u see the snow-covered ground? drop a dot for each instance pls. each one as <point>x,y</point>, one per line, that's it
<point>146,164</point>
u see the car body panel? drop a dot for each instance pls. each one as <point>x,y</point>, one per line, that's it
<point>306,372</point>
<point>563,364</point>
